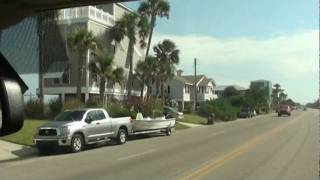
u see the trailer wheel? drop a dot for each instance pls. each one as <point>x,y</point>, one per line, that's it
<point>168,131</point>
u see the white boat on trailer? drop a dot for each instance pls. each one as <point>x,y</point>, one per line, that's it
<point>152,125</point>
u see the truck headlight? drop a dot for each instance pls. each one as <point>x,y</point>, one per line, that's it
<point>64,130</point>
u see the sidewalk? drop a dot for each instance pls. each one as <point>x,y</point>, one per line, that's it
<point>190,124</point>
<point>11,151</point>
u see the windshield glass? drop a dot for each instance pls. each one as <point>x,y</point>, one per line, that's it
<point>200,89</point>
<point>70,116</point>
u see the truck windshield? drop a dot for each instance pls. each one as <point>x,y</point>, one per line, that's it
<point>70,116</point>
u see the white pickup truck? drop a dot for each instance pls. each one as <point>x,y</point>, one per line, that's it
<point>76,128</point>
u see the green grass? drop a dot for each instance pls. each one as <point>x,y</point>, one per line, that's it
<point>179,126</point>
<point>194,119</point>
<point>25,135</point>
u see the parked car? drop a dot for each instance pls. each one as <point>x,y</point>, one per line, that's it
<point>246,113</point>
<point>284,109</point>
<point>77,128</point>
<point>170,112</point>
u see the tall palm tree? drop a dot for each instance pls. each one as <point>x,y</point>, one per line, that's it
<point>153,9</point>
<point>80,40</point>
<point>167,56</point>
<point>146,72</point>
<point>130,25</point>
<point>276,94</point>
<point>44,21</point>
<point>102,67</point>
<point>141,72</point>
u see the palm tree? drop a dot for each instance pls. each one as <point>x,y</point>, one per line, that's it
<point>141,72</point>
<point>130,25</point>
<point>44,21</point>
<point>81,40</point>
<point>153,9</point>
<point>282,96</point>
<point>146,72</point>
<point>102,68</point>
<point>168,57</point>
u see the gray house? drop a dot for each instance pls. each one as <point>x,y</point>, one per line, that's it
<point>61,75</point>
<point>19,44</point>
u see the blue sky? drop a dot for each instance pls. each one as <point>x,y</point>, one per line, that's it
<point>239,41</point>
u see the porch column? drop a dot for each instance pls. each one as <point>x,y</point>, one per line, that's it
<point>182,104</point>
<point>86,97</point>
<point>63,98</point>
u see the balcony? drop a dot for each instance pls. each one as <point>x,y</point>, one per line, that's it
<point>206,96</point>
<point>86,13</point>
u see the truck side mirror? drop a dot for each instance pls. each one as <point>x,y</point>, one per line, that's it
<point>88,119</point>
<point>11,106</point>
<point>12,89</point>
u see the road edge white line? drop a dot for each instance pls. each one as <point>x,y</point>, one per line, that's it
<point>137,155</point>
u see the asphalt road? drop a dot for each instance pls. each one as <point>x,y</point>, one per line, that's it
<point>262,148</point>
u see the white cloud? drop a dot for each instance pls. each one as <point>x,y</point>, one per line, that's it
<point>289,59</point>
<point>289,55</point>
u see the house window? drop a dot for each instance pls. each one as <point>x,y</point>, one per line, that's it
<point>65,78</point>
<point>56,81</point>
<point>51,81</point>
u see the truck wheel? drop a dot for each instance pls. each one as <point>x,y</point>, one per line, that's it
<point>122,136</point>
<point>168,131</point>
<point>77,143</point>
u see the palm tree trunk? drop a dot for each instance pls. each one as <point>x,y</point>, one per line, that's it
<point>153,22</point>
<point>40,32</point>
<point>102,90</point>
<point>129,83</point>
<point>142,89</point>
<point>40,76</point>
<point>80,75</point>
<point>162,90</point>
<point>157,87</point>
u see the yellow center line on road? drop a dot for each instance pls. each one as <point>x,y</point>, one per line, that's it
<point>216,163</point>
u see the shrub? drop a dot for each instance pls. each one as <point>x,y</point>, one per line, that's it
<point>93,103</point>
<point>221,108</point>
<point>55,106</point>
<point>33,109</point>
<point>117,110</point>
<point>73,104</point>
<point>149,107</point>
<point>188,108</point>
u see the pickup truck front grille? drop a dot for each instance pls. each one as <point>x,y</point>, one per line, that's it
<point>47,132</point>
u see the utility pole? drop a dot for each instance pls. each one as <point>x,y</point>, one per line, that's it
<point>195,85</point>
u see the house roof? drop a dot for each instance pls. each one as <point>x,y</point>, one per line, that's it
<point>190,78</point>
<point>201,80</point>
<point>205,81</point>
<point>223,87</point>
